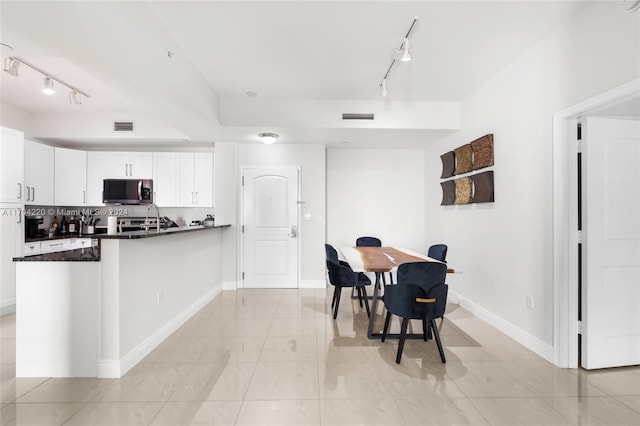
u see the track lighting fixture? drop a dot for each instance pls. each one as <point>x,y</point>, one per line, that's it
<point>403,54</point>
<point>47,86</point>
<point>405,51</point>
<point>11,65</point>
<point>74,99</point>
<point>268,138</point>
<point>383,88</point>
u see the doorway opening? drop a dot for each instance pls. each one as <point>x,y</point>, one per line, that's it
<point>623,101</point>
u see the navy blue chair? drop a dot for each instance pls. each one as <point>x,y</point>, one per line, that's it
<point>438,252</point>
<point>420,294</point>
<point>373,242</point>
<point>341,275</point>
<point>368,242</point>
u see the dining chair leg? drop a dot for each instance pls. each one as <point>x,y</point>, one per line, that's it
<point>403,336</point>
<point>436,335</point>
<point>366,301</point>
<point>333,300</point>
<point>387,319</point>
<point>425,330</point>
<point>335,310</point>
<point>359,289</point>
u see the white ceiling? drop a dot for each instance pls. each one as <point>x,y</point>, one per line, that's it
<point>301,58</point>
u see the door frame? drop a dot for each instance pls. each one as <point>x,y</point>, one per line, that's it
<point>297,168</point>
<point>565,219</point>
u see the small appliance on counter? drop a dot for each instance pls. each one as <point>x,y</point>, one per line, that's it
<point>34,227</point>
<point>208,221</point>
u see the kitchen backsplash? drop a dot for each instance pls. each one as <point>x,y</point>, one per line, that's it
<point>181,215</point>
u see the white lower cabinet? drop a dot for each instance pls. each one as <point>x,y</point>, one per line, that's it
<point>52,246</point>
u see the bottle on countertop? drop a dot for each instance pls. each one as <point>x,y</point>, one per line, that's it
<point>54,224</point>
<point>72,225</point>
<point>64,225</point>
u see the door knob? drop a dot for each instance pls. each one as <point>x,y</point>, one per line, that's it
<point>294,232</point>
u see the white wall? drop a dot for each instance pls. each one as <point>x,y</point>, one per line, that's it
<point>311,159</point>
<point>505,249</point>
<point>16,118</point>
<point>378,193</point>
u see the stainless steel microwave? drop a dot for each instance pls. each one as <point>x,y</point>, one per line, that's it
<point>127,191</point>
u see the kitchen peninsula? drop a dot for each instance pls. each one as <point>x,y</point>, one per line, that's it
<point>97,312</point>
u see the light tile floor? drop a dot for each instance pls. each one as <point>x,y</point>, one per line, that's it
<point>275,357</point>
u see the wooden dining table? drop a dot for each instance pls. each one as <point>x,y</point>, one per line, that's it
<point>380,260</point>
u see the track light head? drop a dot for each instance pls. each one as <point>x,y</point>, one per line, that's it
<point>47,86</point>
<point>268,138</point>
<point>11,66</point>
<point>383,88</point>
<point>74,99</point>
<point>405,52</point>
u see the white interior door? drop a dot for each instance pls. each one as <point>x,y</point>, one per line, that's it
<point>270,240</point>
<point>611,243</point>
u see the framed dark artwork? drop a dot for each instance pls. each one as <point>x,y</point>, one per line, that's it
<point>482,149</point>
<point>448,193</point>
<point>448,164</point>
<point>483,187</point>
<point>464,159</point>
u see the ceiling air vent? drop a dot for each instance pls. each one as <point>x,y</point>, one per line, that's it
<point>357,116</point>
<point>123,126</point>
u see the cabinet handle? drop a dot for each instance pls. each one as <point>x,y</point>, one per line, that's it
<point>28,192</point>
<point>126,169</point>
<point>196,197</point>
<point>19,191</point>
<point>131,169</point>
<point>84,197</point>
<point>33,193</point>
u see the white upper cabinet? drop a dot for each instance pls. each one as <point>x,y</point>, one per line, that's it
<point>195,179</point>
<point>126,165</point>
<point>165,179</point>
<point>70,177</point>
<point>11,166</point>
<point>96,173</point>
<point>38,173</point>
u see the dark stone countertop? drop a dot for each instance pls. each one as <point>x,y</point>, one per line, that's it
<point>93,253</point>
<point>129,235</point>
<point>89,254</point>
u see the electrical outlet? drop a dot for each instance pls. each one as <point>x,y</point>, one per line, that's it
<point>530,301</point>
<point>159,296</point>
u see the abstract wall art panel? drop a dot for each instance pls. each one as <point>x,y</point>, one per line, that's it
<point>448,164</point>
<point>463,190</point>
<point>464,159</point>
<point>483,187</point>
<point>482,152</point>
<point>448,192</point>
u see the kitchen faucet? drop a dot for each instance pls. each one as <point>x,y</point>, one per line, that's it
<point>146,219</point>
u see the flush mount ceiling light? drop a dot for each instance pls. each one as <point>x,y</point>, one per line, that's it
<point>11,65</point>
<point>402,54</point>
<point>47,86</point>
<point>268,138</point>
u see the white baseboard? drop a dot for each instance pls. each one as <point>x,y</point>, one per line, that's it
<point>118,368</point>
<point>8,307</point>
<point>229,285</point>
<point>312,284</point>
<point>526,339</point>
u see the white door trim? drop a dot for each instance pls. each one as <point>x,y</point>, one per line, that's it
<point>565,224</point>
